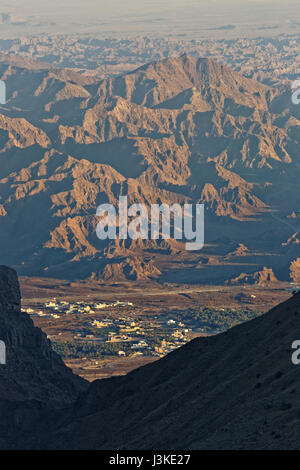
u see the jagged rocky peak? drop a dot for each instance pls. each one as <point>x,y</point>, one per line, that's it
<point>183,128</point>
<point>33,371</point>
<point>9,289</point>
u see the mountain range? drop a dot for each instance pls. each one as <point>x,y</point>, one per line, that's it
<point>178,130</point>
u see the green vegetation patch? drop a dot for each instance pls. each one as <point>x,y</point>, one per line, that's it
<point>217,319</point>
<point>79,349</point>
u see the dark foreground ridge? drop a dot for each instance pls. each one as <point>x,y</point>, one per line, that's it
<point>34,378</point>
<point>236,390</point>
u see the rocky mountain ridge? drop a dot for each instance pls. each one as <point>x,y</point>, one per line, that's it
<point>180,130</point>
<point>34,378</point>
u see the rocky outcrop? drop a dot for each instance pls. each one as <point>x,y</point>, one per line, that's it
<point>261,278</point>
<point>133,269</point>
<point>293,240</point>
<point>33,370</point>
<point>295,270</point>
<point>34,377</point>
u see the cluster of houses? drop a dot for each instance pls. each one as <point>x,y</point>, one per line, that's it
<point>55,309</point>
<point>146,336</point>
<point>136,337</point>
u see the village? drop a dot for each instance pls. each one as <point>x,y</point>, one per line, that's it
<point>100,333</point>
<point>110,328</point>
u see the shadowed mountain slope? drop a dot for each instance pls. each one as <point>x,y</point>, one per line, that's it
<point>34,377</point>
<point>182,130</point>
<point>236,390</point>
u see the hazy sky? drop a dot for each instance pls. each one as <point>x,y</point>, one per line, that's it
<point>138,14</point>
<point>115,7</point>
